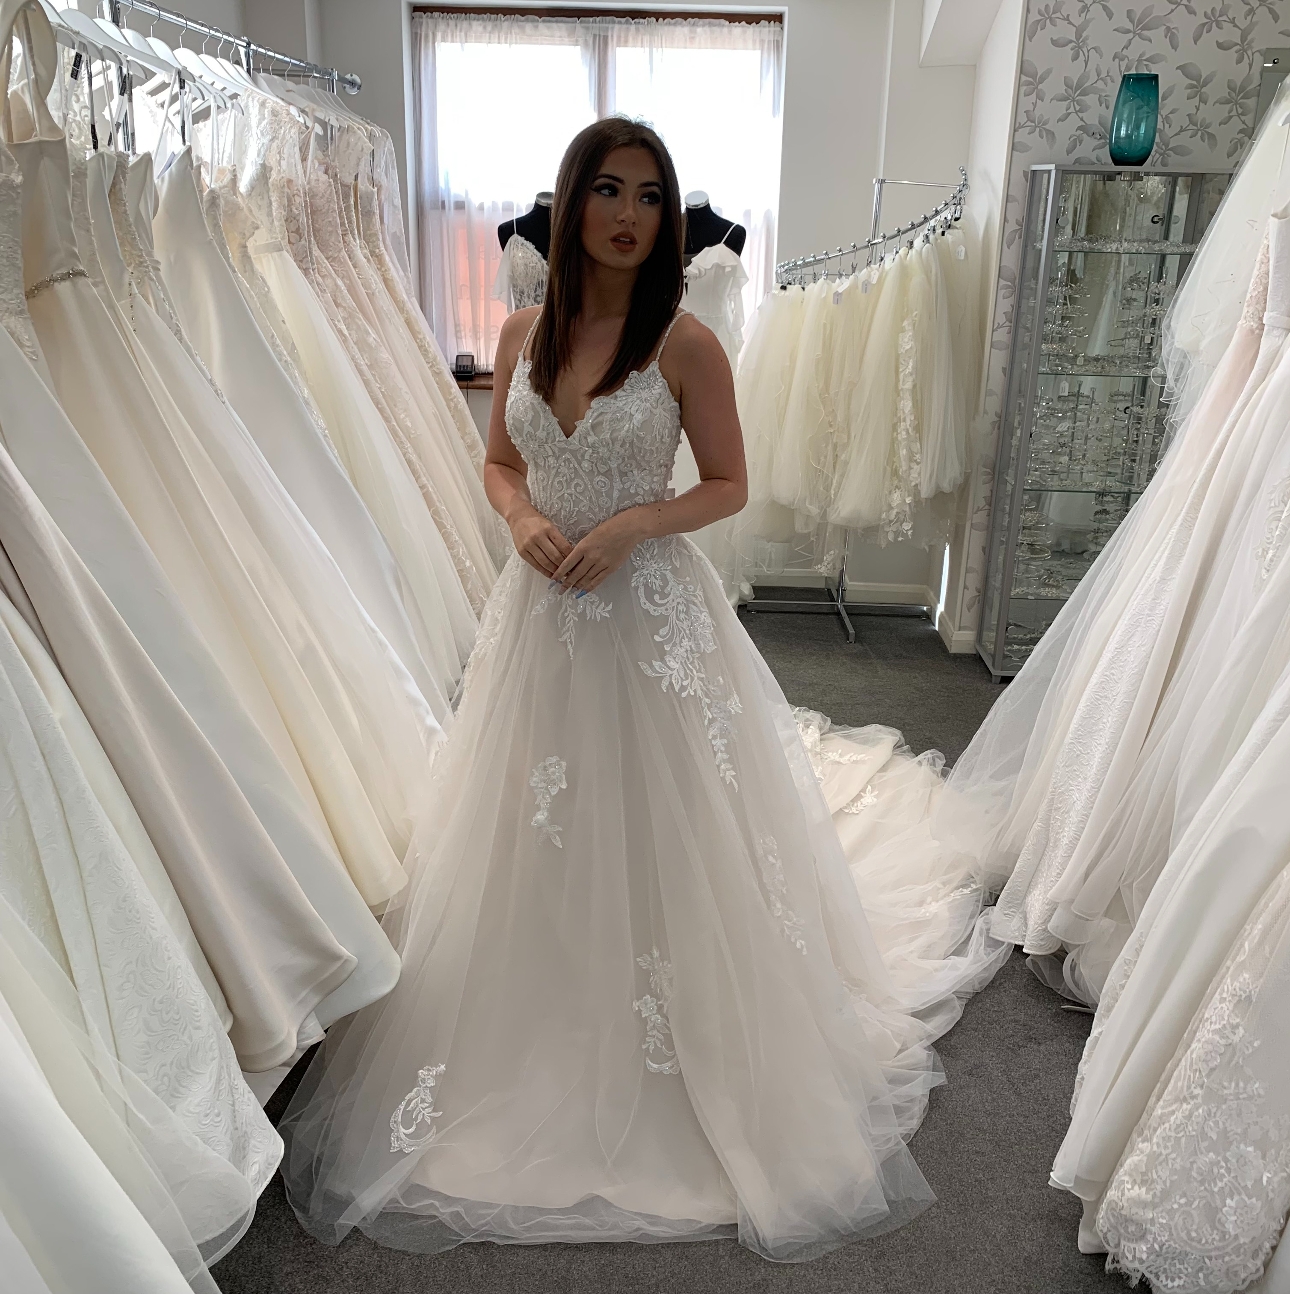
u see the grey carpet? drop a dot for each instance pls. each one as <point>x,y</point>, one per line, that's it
<point>986,1145</point>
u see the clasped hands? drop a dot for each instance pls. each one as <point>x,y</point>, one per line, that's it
<point>582,566</point>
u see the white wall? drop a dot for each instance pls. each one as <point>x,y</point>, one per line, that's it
<point>228,15</point>
<point>989,155</point>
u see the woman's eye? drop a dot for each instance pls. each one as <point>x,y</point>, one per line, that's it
<point>651,199</point>
<point>606,190</point>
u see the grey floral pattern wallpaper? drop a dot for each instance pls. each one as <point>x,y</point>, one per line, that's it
<point>1208,55</point>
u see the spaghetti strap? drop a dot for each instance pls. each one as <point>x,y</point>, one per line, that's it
<point>658,354</point>
<point>528,336</point>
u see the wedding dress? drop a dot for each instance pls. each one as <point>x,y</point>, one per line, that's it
<point>714,282</point>
<point>1235,848</point>
<point>521,275</point>
<point>219,324</point>
<point>92,369</point>
<point>66,874</point>
<point>876,464</point>
<point>1128,700</point>
<point>640,999</point>
<point>1028,780</point>
<point>1223,1104</point>
<point>433,446</point>
<point>443,618</point>
<point>358,724</point>
<point>714,295</point>
<point>75,1225</point>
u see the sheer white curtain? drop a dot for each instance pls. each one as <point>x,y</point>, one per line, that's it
<point>497,99</point>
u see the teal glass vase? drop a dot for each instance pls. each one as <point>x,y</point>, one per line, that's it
<point>1133,122</point>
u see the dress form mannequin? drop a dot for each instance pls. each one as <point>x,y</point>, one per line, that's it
<point>535,225</point>
<point>704,228</point>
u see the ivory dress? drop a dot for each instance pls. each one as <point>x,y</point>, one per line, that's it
<point>640,996</point>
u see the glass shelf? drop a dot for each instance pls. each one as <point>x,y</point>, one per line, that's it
<point>1131,247</point>
<point>1084,423</point>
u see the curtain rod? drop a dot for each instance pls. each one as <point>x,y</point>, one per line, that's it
<point>597,11</point>
<point>350,82</point>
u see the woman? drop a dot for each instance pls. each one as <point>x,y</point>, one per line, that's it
<point>640,999</point>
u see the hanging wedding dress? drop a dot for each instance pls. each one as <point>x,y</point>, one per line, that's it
<point>434,450</point>
<point>876,464</point>
<point>66,874</point>
<point>77,1228</point>
<point>361,729</point>
<point>1028,783</point>
<point>805,457</point>
<point>641,1000</point>
<point>224,332</point>
<point>443,616</point>
<point>99,378</point>
<point>1129,699</point>
<point>1222,1104</point>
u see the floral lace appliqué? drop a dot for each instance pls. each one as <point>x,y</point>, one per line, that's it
<point>568,607</point>
<point>546,780</point>
<point>652,1008</point>
<point>866,799</point>
<point>686,637</point>
<point>772,877</point>
<point>417,1108</point>
<point>1200,1200</point>
<point>1277,529</point>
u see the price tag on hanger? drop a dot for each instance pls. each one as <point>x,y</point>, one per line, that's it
<point>837,297</point>
<point>960,253</point>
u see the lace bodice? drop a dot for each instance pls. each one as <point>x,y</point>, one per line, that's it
<point>619,456</point>
<point>521,278</point>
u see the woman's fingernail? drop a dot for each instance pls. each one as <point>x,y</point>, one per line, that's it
<point>552,584</point>
<point>582,593</point>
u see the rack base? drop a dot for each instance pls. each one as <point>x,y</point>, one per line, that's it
<point>834,604</point>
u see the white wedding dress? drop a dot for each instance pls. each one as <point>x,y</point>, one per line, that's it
<point>275,915</point>
<point>640,996</point>
<point>521,275</point>
<point>223,330</point>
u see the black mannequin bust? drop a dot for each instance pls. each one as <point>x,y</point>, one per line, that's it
<point>704,228</point>
<point>534,225</point>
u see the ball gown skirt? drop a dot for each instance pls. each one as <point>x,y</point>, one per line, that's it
<point>640,995</point>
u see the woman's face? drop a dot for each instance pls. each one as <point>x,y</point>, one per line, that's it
<point>623,211</point>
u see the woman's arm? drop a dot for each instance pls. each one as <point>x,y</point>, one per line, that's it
<point>537,541</point>
<point>698,373</point>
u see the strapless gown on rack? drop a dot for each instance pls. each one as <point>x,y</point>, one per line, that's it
<point>640,997</point>
<point>97,376</point>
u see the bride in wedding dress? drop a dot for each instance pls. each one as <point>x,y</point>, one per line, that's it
<point>641,998</point>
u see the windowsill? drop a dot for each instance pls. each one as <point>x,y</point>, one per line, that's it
<point>480,382</point>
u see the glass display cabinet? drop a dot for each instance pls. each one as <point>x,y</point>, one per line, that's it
<point>1083,421</point>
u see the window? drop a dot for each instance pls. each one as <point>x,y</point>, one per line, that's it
<point>498,98</point>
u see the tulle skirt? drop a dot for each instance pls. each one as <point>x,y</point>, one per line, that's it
<point>640,996</point>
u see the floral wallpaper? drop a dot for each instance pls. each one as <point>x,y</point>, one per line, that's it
<point>1207,54</point>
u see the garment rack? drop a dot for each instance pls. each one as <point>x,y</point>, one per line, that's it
<point>794,271</point>
<point>248,51</point>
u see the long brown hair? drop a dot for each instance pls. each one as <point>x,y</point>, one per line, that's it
<point>657,291</point>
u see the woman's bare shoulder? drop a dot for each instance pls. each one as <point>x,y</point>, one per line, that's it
<point>692,347</point>
<point>514,330</point>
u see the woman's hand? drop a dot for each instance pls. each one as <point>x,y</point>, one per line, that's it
<point>539,541</point>
<point>599,554</point>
